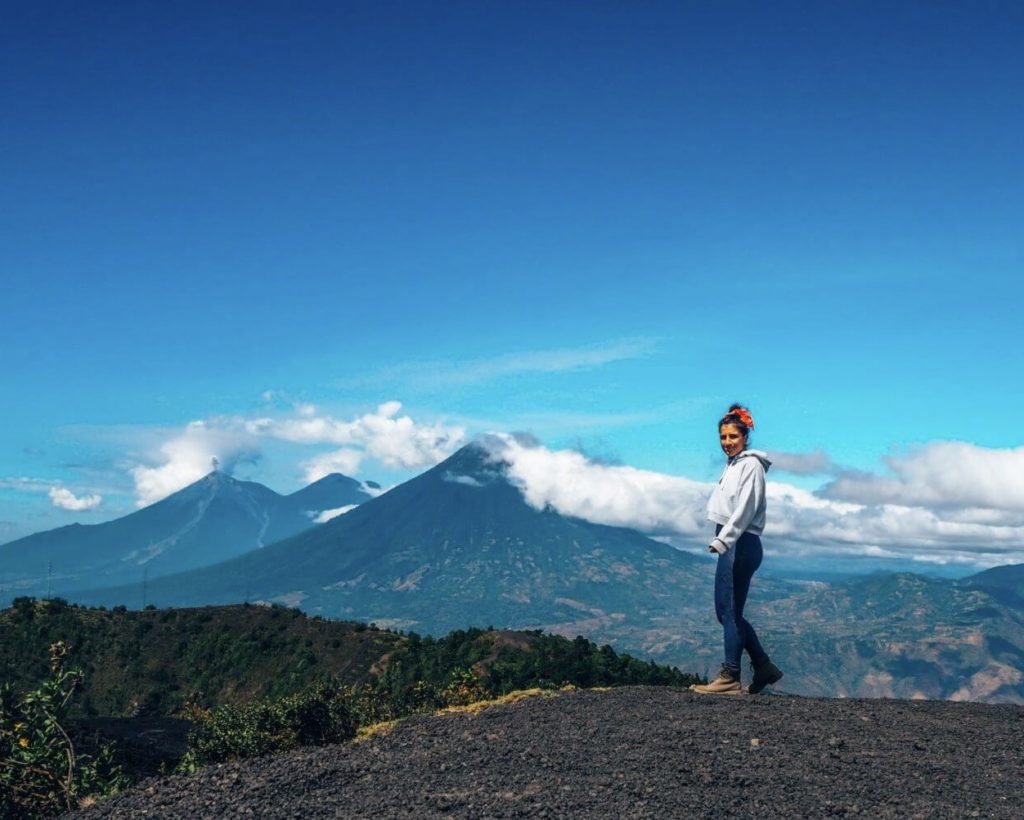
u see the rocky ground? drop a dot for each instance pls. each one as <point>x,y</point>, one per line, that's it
<point>632,752</point>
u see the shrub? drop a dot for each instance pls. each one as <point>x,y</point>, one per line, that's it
<point>40,773</point>
<point>464,687</point>
<point>322,714</point>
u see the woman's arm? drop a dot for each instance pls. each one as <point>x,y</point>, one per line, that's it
<point>749,498</point>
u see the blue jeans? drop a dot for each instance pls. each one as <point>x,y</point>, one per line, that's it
<point>732,583</point>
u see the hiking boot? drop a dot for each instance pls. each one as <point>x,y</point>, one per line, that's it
<point>727,683</point>
<point>765,674</point>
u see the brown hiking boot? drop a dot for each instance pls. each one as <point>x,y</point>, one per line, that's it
<point>727,683</point>
<point>764,675</point>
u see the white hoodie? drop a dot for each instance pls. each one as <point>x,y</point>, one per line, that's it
<point>738,501</point>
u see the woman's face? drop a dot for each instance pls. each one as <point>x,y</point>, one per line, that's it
<point>732,438</point>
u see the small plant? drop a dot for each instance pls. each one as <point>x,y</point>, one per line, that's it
<point>464,687</point>
<point>40,773</point>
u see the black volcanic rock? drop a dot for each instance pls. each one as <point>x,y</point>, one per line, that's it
<point>211,520</point>
<point>638,752</point>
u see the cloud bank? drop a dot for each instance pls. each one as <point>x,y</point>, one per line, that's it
<point>947,519</point>
<point>941,502</point>
<point>572,484</point>
<point>949,475</point>
<point>384,436</point>
<point>393,440</point>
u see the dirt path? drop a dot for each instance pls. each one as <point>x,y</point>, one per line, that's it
<point>633,752</point>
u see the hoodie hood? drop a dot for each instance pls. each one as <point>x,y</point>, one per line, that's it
<point>760,455</point>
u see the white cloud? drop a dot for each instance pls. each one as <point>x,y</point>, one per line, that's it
<point>393,440</point>
<point>385,436</point>
<point>64,499</point>
<point>61,497</point>
<point>814,463</point>
<point>623,496</point>
<point>467,480</point>
<point>190,455</point>
<point>343,461</point>
<point>805,517</point>
<point>942,502</point>
<point>327,515</point>
<point>798,519</point>
<point>944,474</point>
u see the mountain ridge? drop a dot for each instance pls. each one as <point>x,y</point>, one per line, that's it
<point>213,518</point>
<point>462,529</point>
<point>459,546</point>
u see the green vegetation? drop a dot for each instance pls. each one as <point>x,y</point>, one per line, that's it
<point>503,661</point>
<point>423,675</point>
<point>161,661</point>
<point>321,715</point>
<point>40,772</point>
<point>255,680</point>
<point>157,661</point>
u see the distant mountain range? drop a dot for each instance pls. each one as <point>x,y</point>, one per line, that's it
<point>453,547</point>
<point>458,546</point>
<point>903,635</point>
<point>212,520</point>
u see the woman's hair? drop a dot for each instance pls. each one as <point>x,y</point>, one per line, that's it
<point>739,416</point>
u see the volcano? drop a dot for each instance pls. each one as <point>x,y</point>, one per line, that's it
<point>211,520</point>
<point>453,547</point>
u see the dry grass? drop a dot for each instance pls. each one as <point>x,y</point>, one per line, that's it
<point>503,700</point>
<point>375,730</point>
<point>385,727</point>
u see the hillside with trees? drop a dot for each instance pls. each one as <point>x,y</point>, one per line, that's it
<point>158,661</point>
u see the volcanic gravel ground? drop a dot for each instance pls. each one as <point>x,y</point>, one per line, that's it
<point>633,752</point>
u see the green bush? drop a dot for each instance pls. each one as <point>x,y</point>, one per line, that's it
<point>40,773</point>
<point>322,714</point>
<point>464,687</point>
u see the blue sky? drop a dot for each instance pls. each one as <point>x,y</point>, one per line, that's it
<point>597,222</point>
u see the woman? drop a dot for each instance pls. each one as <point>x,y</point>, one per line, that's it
<point>737,506</point>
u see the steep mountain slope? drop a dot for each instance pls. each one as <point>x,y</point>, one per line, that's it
<point>216,518</point>
<point>1005,583</point>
